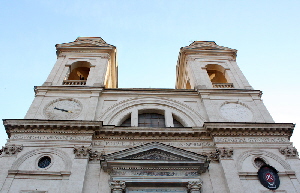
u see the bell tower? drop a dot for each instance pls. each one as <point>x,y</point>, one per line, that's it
<point>87,61</point>
<point>205,65</point>
<point>83,69</point>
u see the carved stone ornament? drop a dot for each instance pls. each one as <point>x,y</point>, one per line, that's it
<point>117,186</point>
<point>96,156</point>
<point>290,152</point>
<point>10,150</point>
<point>82,152</point>
<point>156,155</point>
<point>194,186</point>
<point>214,156</point>
<point>225,153</point>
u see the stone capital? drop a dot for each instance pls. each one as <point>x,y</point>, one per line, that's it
<point>10,150</point>
<point>289,152</point>
<point>225,153</point>
<point>194,186</point>
<point>95,156</point>
<point>82,152</point>
<point>117,186</point>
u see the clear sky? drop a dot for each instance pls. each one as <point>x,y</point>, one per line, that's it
<point>148,35</point>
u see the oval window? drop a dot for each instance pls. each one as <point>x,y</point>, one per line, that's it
<point>44,162</point>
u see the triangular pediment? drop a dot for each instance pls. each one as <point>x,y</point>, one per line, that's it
<point>155,151</point>
<point>156,154</point>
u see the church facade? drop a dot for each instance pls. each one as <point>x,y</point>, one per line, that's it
<point>211,134</point>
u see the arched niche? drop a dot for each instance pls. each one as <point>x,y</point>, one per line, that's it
<point>268,157</point>
<point>60,160</point>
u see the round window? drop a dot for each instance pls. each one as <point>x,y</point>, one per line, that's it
<point>44,162</point>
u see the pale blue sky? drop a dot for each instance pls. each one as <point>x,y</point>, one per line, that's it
<point>148,36</point>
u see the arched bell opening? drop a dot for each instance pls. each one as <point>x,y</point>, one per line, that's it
<point>218,76</point>
<point>79,70</point>
<point>78,73</point>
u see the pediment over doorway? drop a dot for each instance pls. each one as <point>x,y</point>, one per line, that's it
<point>155,150</point>
<point>155,155</point>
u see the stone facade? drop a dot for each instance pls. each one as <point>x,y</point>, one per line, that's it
<point>83,134</point>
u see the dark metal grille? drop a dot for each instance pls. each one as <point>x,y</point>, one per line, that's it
<point>44,162</point>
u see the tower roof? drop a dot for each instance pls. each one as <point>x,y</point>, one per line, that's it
<point>85,42</point>
<point>207,45</point>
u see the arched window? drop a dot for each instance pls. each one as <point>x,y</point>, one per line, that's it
<point>78,73</point>
<point>216,73</point>
<point>79,70</point>
<point>151,120</point>
<point>218,76</point>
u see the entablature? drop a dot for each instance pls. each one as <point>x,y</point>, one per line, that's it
<point>248,129</point>
<point>100,131</point>
<point>13,126</point>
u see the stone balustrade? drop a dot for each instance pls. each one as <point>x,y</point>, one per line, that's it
<point>223,85</point>
<point>74,82</point>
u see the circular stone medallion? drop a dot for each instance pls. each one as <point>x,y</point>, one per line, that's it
<point>236,112</point>
<point>63,109</point>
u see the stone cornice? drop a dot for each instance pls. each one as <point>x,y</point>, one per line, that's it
<point>228,91</point>
<point>50,126</point>
<point>96,128</point>
<point>68,88</point>
<point>248,129</point>
<point>145,91</point>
